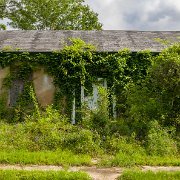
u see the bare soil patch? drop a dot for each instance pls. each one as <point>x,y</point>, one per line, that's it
<point>95,172</point>
<point>160,168</point>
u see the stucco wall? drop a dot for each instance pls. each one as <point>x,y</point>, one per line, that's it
<point>3,91</point>
<point>3,74</point>
<point>44,87</point>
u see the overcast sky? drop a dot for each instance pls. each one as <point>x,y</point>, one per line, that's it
<point>138,14</point>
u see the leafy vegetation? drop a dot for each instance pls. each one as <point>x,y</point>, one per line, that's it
<point>58,157</point>
<point>135,159</point>
<point>51,131</point>
<point>42,175</point>
<point>149,175</point>
<point>146,87</point>
<point>49,15</point>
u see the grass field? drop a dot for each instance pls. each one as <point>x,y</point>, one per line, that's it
<point>42,175</point>
<point>149,175</point>
<point>67,158</point>
<point>64,158</point>
<point>124,160</point>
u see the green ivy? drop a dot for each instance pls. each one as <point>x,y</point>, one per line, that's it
<point>79,64</point>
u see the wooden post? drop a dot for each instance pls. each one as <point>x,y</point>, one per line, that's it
<point>114,107</point>
<point>82,95</point>
<point>73,115</point>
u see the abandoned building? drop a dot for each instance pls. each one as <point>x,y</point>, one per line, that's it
<point>50,41</point>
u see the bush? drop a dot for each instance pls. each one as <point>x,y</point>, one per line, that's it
<point>82,141</point>
<point>159,142</point>
<point>119,126</point>
<point>124,145</point>
<point>156,97</point>
<point>127,152</point>
<point>50,131</point>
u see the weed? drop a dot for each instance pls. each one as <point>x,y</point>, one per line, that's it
<point>58,157</point>
<point>42,175</point>
<point>149,175</point>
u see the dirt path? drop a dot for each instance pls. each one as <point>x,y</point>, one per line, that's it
<point>160,168</point>
<point>100,173</point>
<point>95,172</point>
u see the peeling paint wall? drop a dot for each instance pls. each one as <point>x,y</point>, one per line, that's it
<point>43,84</point>
<point>3,91</point>
<point>45,90</point>
<point>44,87</point>
<point>3,74</point>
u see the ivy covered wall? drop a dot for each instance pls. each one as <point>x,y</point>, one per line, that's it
<point>75,66</point>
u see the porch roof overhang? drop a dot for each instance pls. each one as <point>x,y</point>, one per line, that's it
<point>104,41</point>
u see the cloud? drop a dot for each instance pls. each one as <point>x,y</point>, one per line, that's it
<point>138,14</point>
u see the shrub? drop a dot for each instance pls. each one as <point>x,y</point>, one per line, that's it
<point>82,141</point>
<point>50,131</point>
<point>159,142</point>
<point>119,126</point>
<point>127,152</point>
<point>156,97</point>
<point>124,145</point>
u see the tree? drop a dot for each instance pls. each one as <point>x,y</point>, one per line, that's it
<point>51,15</point>
<point>158,96</point>
<point>165,84</point>
<point>2,8</point>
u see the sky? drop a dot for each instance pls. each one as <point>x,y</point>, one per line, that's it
<point>137,14</point>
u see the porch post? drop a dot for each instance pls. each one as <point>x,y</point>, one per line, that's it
<point>114,107</point>
<point>82,95</point>
<point>73,115</point>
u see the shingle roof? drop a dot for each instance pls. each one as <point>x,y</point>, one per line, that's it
<point>106,40</point>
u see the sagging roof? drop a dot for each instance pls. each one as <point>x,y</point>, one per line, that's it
<point>104,41</point>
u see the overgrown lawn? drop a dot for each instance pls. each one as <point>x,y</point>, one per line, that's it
<point>64,158</point>
<point>42,175</point>
<point>125,160</point>
<point>149,175</point>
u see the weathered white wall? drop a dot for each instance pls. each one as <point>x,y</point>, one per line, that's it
<point>44,87</point>
<point>3,74</point>
<point>43,84</point>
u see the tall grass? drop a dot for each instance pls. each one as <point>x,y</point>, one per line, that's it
<point>42,175</point>
<point>49,138</point>
<point>59,157</point>
<point>125,160</point>
<point>51,131</point>
<point>149,175</point>
<point>130,152</point>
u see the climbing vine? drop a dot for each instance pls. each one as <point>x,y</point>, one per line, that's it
<point>76,65</point>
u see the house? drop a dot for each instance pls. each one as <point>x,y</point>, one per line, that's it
<point>49,41</point>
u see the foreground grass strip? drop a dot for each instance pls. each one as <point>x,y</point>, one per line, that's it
<point>42,175</point>
<point>44,158</point>
<point>124,160</point>
<point>149,175</point>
